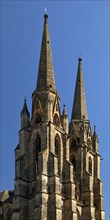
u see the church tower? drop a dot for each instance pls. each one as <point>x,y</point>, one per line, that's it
<point>84,156</point>
<point>57,170</point>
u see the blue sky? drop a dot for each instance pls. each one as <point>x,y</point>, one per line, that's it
<point>76,27</point>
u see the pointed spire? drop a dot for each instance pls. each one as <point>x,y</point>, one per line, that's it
<point>79,104</point>
<point>45,73</point>
<point>25,109</point>
<point>64,114</point>
<point>94,134</point>
<point>65,119</point>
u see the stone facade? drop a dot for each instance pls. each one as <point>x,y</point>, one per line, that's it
<point>57,165</point>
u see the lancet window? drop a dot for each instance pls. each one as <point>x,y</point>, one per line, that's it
<point>38,145</point>
<point>73,161</point>
<point>90,165</point>
<point>57,144</point>
<point>57,150</point>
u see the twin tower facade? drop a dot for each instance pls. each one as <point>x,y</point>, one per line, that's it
<point>57,164</point>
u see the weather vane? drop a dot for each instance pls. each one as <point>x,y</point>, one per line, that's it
<point>45,11</point>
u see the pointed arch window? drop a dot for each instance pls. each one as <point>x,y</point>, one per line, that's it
<point>38,145</point>
<point>38,118</point>
<point>90,166</point>
<point>57,150</point>
<point>73,161</point>
<point>56,120</point>
<point>57,144</point>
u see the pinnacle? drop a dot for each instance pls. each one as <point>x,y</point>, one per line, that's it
<point>64,111</point>
<point>25,109</point>
<point>94,134</point>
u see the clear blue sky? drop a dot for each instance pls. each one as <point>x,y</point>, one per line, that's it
<point>76,27</point>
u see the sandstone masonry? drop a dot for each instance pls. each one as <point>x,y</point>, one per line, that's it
<point>57,164</point>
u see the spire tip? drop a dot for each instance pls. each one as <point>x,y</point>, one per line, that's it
<point>25,99</point>
<point>80,59</point>
<point>46,14</point>
<point>94,134</point>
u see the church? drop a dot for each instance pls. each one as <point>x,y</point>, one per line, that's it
<point>57,163</point>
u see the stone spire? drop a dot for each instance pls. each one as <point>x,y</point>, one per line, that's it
<point>25,116</point>
<point>25,109</point>
<point>45,72</point>
<point>79,104</point>
<point>64,114</point>
<point>94,134</point>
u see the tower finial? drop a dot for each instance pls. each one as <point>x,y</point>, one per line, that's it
<point>24,98</point>
<point>45,11</point>
<point>46,14</point>
<point>80,57</point>
<point>95,134</point>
